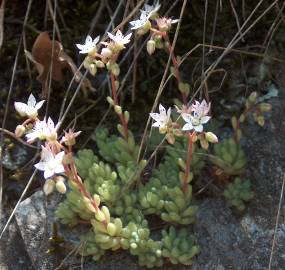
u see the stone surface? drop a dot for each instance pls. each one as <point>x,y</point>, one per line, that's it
<point>13,254</point>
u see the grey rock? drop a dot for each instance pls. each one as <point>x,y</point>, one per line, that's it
<point>13,254</point>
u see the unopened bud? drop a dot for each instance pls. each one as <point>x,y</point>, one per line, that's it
<point>177,132</point>
<point>19,131</point>
<point>86,63</point>
<point>150,46</point>
<point>265,107</point>
<point>60,185</point>
<point>204,144</point>
<point>106,52</point>
<point>260,120</point>
<point>110,101</point>
<point>242,118</point>
<point>252,97</point>
<point>115,69</point>
<point>100,216</point>
<point>118,109</point>
<point>99,64</point>
<point>127,116</point>
<point>211,137</point>
<point>92,69</point>
<point>170,138</point>
<point>48,187</point>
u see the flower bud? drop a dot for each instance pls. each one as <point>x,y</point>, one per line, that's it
<point>170,138</point>
<point>92,69</point>
<point>252,97</point>
<point>115,69</point>
<point>204,144</point>
<point>118,109</point>
<point>86,63</point>
<point>265,107</point>
<point>48,186</point>
<point>184,88</point>
<point>99,64</point>
<point>177,132</point>
<point>211,137</point>
<point>106,52</point>
<point>242,118</point>
<point>127,116</point>
<point>150,46</point>
<point>260,120</point>
<point>19,131</point>
<point>60,185</point>
<point>110,101</point>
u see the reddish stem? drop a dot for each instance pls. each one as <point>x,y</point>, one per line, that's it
<point>185,186</point>
<point>115,98</point>
<point>175,65</point>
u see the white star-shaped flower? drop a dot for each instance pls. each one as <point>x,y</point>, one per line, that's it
<point>119,39</point>
<point>43,130</point>
<point>89,45</point>
<point>140,23</point>
<point>38,132</point>
<point>198,117</point>
<point>162,118</point>
<point>30,109</point>
<point>51,164</point>
<point>150,10</point>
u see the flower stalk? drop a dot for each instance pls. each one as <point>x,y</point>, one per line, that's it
<point>116,103</point>
<point>185,186</point>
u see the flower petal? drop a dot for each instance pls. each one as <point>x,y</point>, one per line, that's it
<point>187,126</point>
<point>205,119</point>
<point>40,166</point>
<point>186,117</point>
<point>155,116</point>
<point>162,110</point>
<point>39,104</point>
<point>31,101</point>
<point>156,124</point>
<point>59,169</point>
<point>198,128</point>
<point>48,173</point>
<point>21,108</point>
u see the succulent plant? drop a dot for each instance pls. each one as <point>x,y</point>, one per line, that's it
<point>179,246</point>
<point>238,193</point>
<point>229,157</point>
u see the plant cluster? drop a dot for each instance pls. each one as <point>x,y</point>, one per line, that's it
<point>109,191</point>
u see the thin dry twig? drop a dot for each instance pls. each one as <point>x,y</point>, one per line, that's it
<point>2,12</point>
<point>11,134</point>
<point>276,224</point>
<point>9,98</point>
